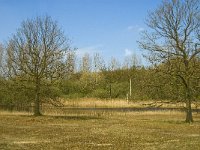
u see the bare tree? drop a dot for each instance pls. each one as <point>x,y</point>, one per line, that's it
<point>70,64</point>
<point>37,51</point>
<point>114,64</point>
<point>98,62</point>
<point>173,39</point>
<point>98,66</point>
<point>85,65</point>
<point>131,61</point>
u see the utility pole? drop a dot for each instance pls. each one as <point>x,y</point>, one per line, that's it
<point>130,88</point>
<point>110,91</point>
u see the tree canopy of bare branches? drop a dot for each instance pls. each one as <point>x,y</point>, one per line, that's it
<point>174,35</point>
<point>36,51</point>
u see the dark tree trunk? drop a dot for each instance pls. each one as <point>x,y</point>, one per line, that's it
<point>37,99</point>
<point>110,90</point>
<point>189,118</point>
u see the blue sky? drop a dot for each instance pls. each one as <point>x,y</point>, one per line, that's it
<point>109,27</point>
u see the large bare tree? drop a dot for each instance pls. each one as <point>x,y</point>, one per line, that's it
<point>173,39</point>
<point>36,51</point>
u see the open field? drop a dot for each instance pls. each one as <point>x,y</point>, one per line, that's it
<point>90,130</point>
<point>115,103</point>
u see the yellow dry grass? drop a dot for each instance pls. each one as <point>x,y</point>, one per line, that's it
<point>15,113</point>
<point>116,103</point>
<point>107,103</point>
<point>88,130</point>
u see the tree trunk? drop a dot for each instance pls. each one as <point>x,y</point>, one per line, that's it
<point>37,99</point>
<point>110,90</point>
<point>130,88</point>
<point>189,117</point>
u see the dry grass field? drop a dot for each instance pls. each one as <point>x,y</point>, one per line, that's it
<point>115,103</point>
<point>90,130</point>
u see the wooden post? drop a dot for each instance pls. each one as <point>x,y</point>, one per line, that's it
<point>130,88</point>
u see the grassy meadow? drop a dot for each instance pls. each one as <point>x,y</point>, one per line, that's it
<point>103,130</point>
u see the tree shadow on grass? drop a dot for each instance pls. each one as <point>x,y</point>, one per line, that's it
<point>4,146</point>
<point>75,117</point>
<point>63,117</point>
<point>180,122</point>
<point>174,121</point>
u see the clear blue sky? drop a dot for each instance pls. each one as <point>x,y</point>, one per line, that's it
<point>109,27</point>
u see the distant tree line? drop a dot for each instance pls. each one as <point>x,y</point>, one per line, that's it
<point>91,76</point>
